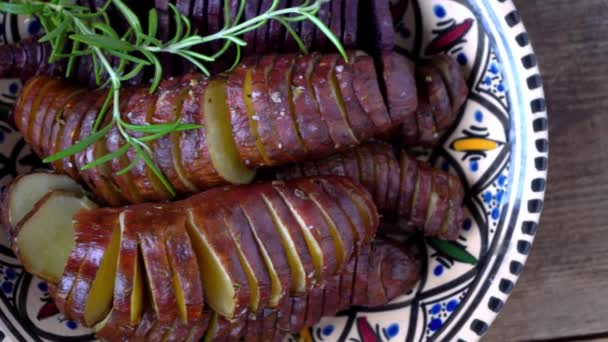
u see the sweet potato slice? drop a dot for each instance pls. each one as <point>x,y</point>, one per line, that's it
<point>98,178</point>
<point>262,107</point>
<point>169,102</point>
<point>139,111</point>
<point>39,108</point>
<point>367,169</point>
<point>316,231</point>
<point>186,272</point>
<point>367,90</point>
<point>331,295</point>
<point>421,196</point>
<point>72,107</point>
<point>70,131</point>
<point>298,255</point>
<point>453,79</point>
<point>91,297</point>
<point>129,287</point>
<point>269,244</point>
<point>340,226</point>
<point>339,128</point>
<point>151,226</point>
<point>351,166</point>
<point>22,194</point>
<point>285,114</point>
<point>347,283</point>
<point>324,16</point>
<point>398,80</point>
<point>335,24</point>
<point>251,256</point>
<point>342,86</point>
<point>224,280</point>
<point>394,174</point>
<point>244,125</point>
<point>360,290</point>
<point>437,96</point>
<point>376,293</point>
<point>298,313</point>
<point>381,166</point>
<point>428,135</point>
<point>439,203</point>
<point>351,23</point>
<point>409,174</point>
<point>55,119</point>
<point>364,202</point>
<point>195,157</point>
<point>50,218</point>
<point>312,127</point>
<point>222,149</point>
<point>23,110</point>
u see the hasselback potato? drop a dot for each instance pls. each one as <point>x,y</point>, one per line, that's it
<point>428,198</point>
<point>29,58</point>
<point>270,111</point>
<point>380,273</point>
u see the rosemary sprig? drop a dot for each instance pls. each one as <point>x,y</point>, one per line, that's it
<point>90,34</point>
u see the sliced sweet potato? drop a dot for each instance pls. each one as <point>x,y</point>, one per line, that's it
<point>243,115</point>
<point>186,272</point>
<point>112,328</point>
<point>453,79</point>
<point>376,294</point>
<point>298,313</point>
<point>351,166</point>
<point>97,178</point>
<point>347,283</point>
<point>169,101</point>
<point>222,150</point>
<point>409,174</point>
<point>298,255</point>
<point>335,24</point>
<point>398,80</point>
<point>315,306</point>
<point>71,130</point>
<point>315,230</point>
<point>382,174</point>
<point>360,291</point>
<point>439,205</point>
<point>22,194</point>
<point>195,158</point>
<point>394,177</point>
<point>284,112</point>
<point>367,169</point>
<point>428,135</point>
<point>307,32</point>
<point>270,245</point>
<point>276,32</point>
<point>339,224</point>
<point>139,111</point>
<point>24,110</point>
<point>358,219</point>
<point>251,256</point>
<point>331,295</point>
<point>324,16</point>
<point>147,323</point>
<point>262,107</point>
<point>262,33</point>
<point>224,280</point>
<point>151,226</point>
<point>114,142</point>
<point>312,127</point>
<point>437,96</point>
<point>91,297</point>
<point>367,90</point>
<point>339,128</point>
<point>58,123</point>
<point>49,218</point>
<point>421,196</point>
<point>344,91</point>
<point>283,322</point>
<point>54,117</point>
<point>351,23</point>
<point>37,129</point>
<point>364,202</point>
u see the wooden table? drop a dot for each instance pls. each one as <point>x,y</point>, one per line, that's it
<point>563,292</point>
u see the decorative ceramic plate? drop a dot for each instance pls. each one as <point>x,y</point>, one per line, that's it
<point>504,168</point>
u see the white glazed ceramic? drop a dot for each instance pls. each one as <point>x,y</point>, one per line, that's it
<point>455,301</point>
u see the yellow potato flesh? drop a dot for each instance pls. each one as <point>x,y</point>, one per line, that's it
<point>298,275</point>
<point>51,221</point>
<point>337,95</point>
<point>99,300</point>
<point>137,294</point>
<point>251,279</point>
<point>276,290</point>
<point>222,148</point>
<point>217,285</point>
<point>311,242</point>
<point>338,243</point>
<point>248,93</point>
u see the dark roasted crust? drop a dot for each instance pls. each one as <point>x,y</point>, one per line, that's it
<point>398,79</point>
<point>285,115</point>
<point>313,129</point>
<point>437,96</point>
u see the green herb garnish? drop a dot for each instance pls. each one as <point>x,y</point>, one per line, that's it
<point>92,35</point>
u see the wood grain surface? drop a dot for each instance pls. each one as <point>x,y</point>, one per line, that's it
<point>563,292</point>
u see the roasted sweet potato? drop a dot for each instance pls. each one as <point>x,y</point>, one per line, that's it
<point>399,85</point>
<point>453,79</point>
<point>438,97</point>
<point>304,107</point>
<point>428,198</point>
